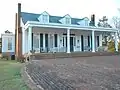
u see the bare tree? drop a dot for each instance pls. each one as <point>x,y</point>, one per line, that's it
<point>116,22</point>
<point>103,22</point>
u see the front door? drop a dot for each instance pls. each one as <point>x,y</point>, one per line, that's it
<point>71,44</point>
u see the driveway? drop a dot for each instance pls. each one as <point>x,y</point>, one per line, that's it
<point>83,73</point>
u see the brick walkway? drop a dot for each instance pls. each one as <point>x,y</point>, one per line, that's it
<point>84,73</point>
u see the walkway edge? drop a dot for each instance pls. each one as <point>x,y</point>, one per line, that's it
<point>27,79</point>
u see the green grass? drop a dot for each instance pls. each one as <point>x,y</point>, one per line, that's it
<point>10,77</point>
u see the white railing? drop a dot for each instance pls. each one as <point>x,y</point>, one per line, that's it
<point>48,50</point>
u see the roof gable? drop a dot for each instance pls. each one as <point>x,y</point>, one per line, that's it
<point>44,13</point>
<point>67,16</point>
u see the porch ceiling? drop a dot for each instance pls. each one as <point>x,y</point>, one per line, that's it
<point>46,30</point>
<point>58,30</point>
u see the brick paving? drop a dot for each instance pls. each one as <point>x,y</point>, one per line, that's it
<point>84,73</point>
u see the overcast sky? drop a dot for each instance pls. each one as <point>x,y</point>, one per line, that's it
<point>75,8</point>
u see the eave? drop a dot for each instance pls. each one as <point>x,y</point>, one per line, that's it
<point>63,26</point>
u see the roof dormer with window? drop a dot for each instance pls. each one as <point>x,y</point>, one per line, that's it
<point>44,17</point>
<point>66,19</point>
<point>84,22</point>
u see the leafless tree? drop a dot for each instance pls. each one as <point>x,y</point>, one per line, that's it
<point>116,22</point>
<point>103,22</point>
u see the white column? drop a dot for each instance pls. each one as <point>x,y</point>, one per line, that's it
<point>93,41</point>
<point>68,40</point>
<point>49,41</point>
<point>116,43</point>
<point>44,41</point>
<point>29,38</point>
<point>25,41</point>
<point>100,40</point>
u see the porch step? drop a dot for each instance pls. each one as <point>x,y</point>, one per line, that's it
<point>40,56</point>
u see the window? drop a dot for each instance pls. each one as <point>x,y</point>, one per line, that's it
<point>9,43</point>
<point>45,18</point>
<point>86,23</point>
<point>36,41</point>
<point>67,20</point>
<point>41,40</point>
<point>55,37</point>
<point>63,42</point>
<point>46,40</point>
<point>74,41</point>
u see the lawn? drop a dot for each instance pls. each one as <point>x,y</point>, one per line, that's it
<point>10,77</point>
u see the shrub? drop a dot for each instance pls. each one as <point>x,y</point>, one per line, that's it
<point>101,48</point>
<point>111,46</point>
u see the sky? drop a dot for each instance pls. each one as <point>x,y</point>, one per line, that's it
<point>75,8</point>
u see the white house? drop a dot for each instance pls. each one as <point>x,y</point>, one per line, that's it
<point>46,33</point>
<point>8,43</point>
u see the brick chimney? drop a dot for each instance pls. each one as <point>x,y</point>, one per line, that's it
<point>15,30</point>
<point>92,22</point>
<point>18,34</point>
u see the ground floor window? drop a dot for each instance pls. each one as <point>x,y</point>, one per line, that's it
<point>82,43</point>
<point>55,38</point>
<point>89,41</point>
<point>46,40</point>
<point>36,41</point>
<point>97,41</point>
<point>41,40</point>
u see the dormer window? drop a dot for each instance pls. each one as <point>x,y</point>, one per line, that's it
<point>45,18</point>
<point>67,20</point>
<point>84,22</point>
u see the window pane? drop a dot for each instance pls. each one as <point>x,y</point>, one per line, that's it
<point>46,40</point>
<point>97,41</point>
<point>9,43</point>
<point>74,41</point>
<point>67,20</point>
<point>41,40</point>
<point>36,41</point>
<point>89,41</point>
<point>55,37</point>
<point>45,18</point>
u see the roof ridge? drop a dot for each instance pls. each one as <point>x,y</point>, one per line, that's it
<point>53,15</point>
<point>30,13</point>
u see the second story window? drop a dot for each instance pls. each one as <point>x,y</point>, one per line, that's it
<point>67,20</point>
<point>45,18</point>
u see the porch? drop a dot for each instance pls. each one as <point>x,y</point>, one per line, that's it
<point>47,40</point>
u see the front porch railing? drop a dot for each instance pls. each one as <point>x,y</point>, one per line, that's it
<point>64,49</point>
<point>50,50</point>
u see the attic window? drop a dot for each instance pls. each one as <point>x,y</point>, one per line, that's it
<point>67,20</point>
<point>45,18</point>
